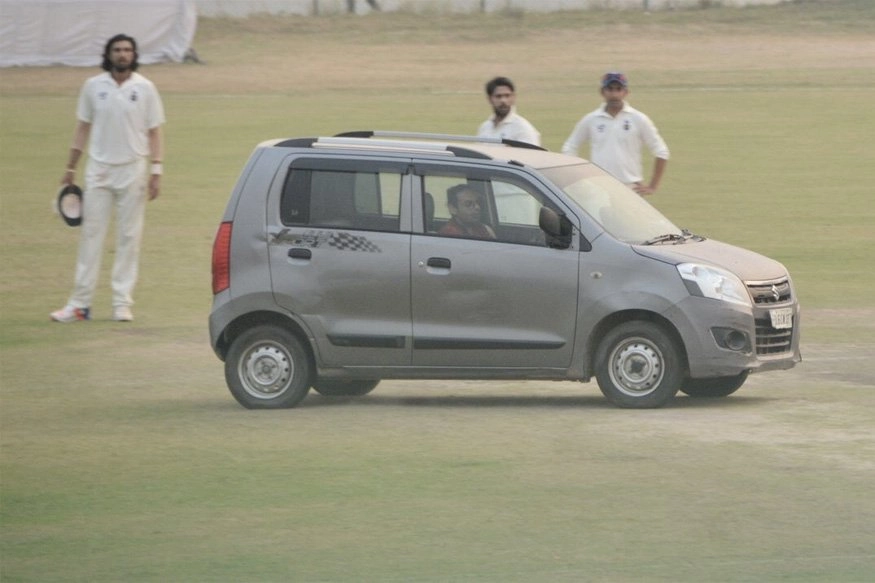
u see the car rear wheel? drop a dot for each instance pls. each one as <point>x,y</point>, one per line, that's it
<point>268,368</point>
<point>713,386</point>
<point>344,388</point>
<point>639,366</point>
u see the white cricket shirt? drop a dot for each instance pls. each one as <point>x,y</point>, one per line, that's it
<point>512,127</point>
<point>120,117</point>
<point>616,142</point>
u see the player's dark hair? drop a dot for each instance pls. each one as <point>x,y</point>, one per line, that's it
<point>494,84</point>
<point>107,64</point>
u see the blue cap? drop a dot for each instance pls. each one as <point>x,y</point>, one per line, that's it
<point>614,77</point>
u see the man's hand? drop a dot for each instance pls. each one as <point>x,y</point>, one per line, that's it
<point>68,177</point>
<point>154,186</point>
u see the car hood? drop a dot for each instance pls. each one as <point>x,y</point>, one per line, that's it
<point>747,265</point>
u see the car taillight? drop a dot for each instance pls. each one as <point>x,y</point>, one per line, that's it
<point>222,258</point>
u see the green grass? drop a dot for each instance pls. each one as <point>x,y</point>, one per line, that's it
<point>124,458</point>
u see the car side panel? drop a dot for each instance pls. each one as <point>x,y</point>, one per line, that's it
<point>349,286</point>
<point>495,304</point>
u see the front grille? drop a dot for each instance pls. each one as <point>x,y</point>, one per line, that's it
<point>770,292</point>
<point>771,340</point>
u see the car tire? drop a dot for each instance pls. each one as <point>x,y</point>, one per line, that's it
<point>713,386</point>
<point>267,367</point>
<point>639,366</point>
<point>344,388</point>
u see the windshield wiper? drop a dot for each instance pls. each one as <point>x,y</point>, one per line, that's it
<point>677,238</point>
<point>664,238</point>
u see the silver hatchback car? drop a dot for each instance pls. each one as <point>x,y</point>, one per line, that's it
<point>344,260</point>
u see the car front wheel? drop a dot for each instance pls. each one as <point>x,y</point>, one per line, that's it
<point>267,368</point>
<point>639,366</point>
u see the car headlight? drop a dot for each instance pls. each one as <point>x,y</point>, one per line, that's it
<point>708,281</point>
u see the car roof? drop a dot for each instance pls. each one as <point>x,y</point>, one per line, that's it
<point>445,145</point>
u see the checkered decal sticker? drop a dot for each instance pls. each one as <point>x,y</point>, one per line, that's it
<point>346,242</point>
<point>340,240</point>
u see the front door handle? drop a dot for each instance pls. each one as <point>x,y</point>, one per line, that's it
<point>441,262</point>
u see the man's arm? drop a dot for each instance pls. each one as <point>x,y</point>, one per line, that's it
<point>659,149</point>
<point>156,168</point>
<point>80,138</point>
<point>659,165</point>
<point>574,141</point>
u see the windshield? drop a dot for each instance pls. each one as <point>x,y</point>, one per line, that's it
<point>621,211</point>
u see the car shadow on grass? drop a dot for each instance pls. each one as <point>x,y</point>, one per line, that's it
<point>733,402</point>
<point>459,401</point>
<point>519,401</point>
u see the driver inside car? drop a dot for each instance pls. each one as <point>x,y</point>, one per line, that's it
<point>464,204</point>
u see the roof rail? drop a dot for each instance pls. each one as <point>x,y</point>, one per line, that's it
<point>295,143</point>
<point>396,146</point>
<point>440,137</point>
<point>346,142</point>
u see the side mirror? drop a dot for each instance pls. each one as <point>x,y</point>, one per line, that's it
<point>557,228</point>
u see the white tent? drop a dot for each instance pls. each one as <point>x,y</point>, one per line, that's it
<point>74,32</point>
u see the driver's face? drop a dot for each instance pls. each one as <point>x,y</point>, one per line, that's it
<point>467,207</point>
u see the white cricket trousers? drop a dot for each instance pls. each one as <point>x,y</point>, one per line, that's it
<point>122,187</point>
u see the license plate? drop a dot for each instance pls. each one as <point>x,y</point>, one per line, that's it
<point>781,318</point>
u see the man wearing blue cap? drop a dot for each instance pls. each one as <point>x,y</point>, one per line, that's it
<point>617,133</point>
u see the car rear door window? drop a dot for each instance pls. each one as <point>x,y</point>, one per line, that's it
<point>363,196</point>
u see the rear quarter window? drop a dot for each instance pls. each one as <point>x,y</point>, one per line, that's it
<point>354,199</point>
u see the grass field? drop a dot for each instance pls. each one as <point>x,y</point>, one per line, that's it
<point>124,458</point>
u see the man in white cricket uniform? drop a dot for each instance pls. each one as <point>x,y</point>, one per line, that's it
<point>122,113</point>
<point>617,133</point>
<point>506,123</point>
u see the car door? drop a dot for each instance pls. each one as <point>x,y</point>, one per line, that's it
<point>339,243</point>
<point>508,302</point>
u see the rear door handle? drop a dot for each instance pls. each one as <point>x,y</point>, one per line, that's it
<point>300,253</point>
<point>441,262</point>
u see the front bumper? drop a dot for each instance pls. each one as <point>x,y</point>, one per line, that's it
<point>701,322</point>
